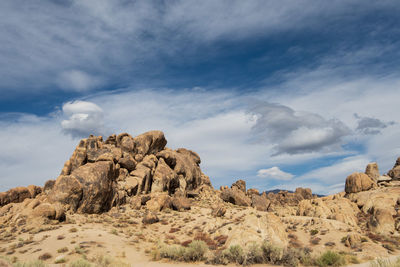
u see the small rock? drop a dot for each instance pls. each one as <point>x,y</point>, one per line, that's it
<point>150,218</point>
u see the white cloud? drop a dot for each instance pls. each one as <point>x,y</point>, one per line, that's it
<point>84,118</point>
<point>274,173</point>
<point>76,80</point>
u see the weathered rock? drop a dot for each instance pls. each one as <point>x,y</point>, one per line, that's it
<point>332,207</point>
<point>127,162</point>
<point>382,222</point>
<point>125,142</point>
<point>384,178</point>
<point>218,210</point>
<point>44,210</point>
<point>149,143</point>
<point>352,240</point>
<point>164,179</point>
<point>143,173</point>
<point>372,171</point>
<point>235,196</point>
<point>150,218</point>
<point>306,193</point>
<point>239,184</point>
<point>252,191</point>
<point>131,185</point>
<point>358,182</point>
<point>159,202</point>
<point>261,203</point>
<point>48,186</point>
<point>180,203</point>
<point>18,194</point>
<point>89,188</point>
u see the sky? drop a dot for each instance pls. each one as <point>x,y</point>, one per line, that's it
<point>279,93</point>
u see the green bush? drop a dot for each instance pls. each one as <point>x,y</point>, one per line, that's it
<point>254,254</point>
<point>195,251</point>
<point>314,232</point>
<point>235,254</point>
<point>272,254</point>
<point>330,258</point>
<point>37,263</point>
<point>174,252</point>
<point>80,263</point>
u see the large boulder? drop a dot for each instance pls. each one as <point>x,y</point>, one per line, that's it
<point>164,179</point>
<point>261,203</point>
<point>372,171</point>
<point>149,143</point>
<point>235,196</point>
<point>358,182</point>
<point>382,222</point>
<point>144,173</point>
<point>89,188</point>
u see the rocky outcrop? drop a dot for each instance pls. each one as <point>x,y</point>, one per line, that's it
<point>358,182</point>
<point>100,174</point>
<point>334,207</point>
<point>261,203</point>
<point>240,185</point>
<point>395,171</point>
<point>382,222</point>
<point>18,194</point>
<point>285,198</point>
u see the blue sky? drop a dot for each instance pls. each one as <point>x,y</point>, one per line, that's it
<point>279,93</point>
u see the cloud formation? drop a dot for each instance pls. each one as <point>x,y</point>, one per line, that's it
<point>274,173</point>
<point>84,118</point>
<point>77,80</point>
<point>370,126</point>
<point>297,132</point>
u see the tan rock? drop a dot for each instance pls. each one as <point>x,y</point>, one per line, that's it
<point>158,202</point>
<point>252,191</point>
<point>235,196</point>
<point>150,218</point>
<point>164,179</point>
<point>382,222</point>
<point>45,210</point>
<point>395,171</point>
<point>143,173</point>
<point>358,182</point>
<point>180,203</point>
<point>239,184</point>
<point>261,203</point>
<point>372,171</point>
<point>149,142</point>
<point>218,210</point>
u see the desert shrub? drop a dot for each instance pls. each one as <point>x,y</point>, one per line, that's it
<point>220,257</point>
<point>291,257</point>
<point>385,263</point>
<point>254,254</point>
<point>62,250</point>
<point>80,263</point>
<point>60,260</point>
<point>37,263</point>
<point>106,261</point>
<point>195,251</point>
<point>330,258</point>
<point>314,232</point>
<point>272,254</point>
<point>45,256</point>
<point>174,252</point>
<point>235,254</point>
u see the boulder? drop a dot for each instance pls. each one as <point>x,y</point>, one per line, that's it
<point>352,240</point>
<point>235,196</point>
<point>127,162</point>
<point>358,182</point>
<point>150,218</point>
<point>218,210</point>
<point>239,184</point>
<point>181,203</point>
<point>261,203</point>
<point>372,171</point>
<point>19,194</point>
<point>159,202</point>
<point>89,188</point>
<point>45,210</point>
<point>185,163</point>
<point>382,222</point>
<point>252,191</point>
<point>306,193</point>
<point>395,171</point>
<point>125,142</point>
<point>143,173</point>
<point>48,186</point>
<point>164,179</point>
<point>149,143</point>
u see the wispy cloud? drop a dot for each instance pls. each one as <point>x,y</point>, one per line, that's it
<point>274,173</point>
